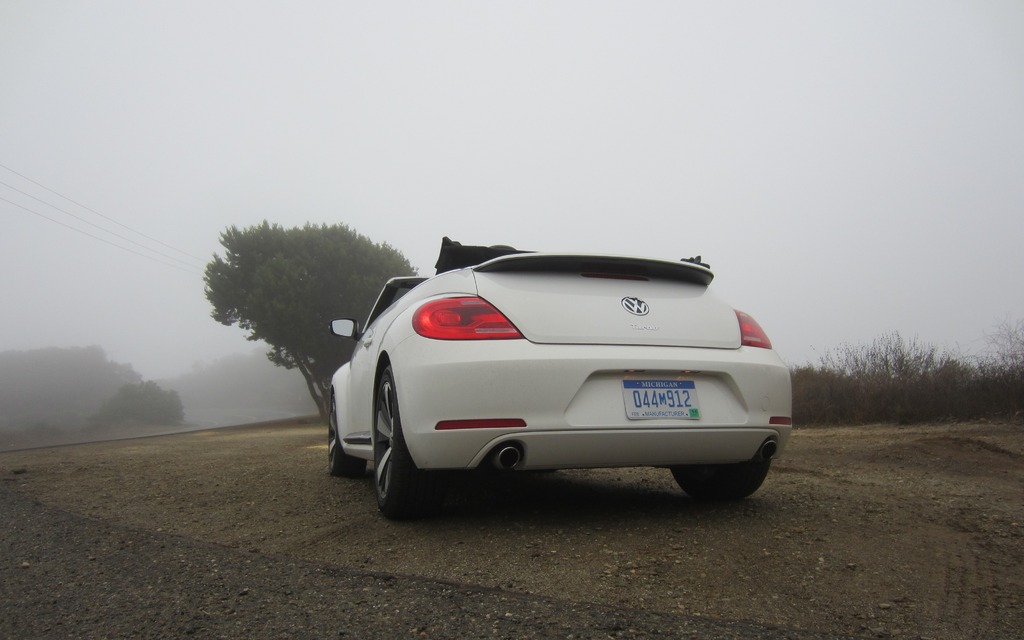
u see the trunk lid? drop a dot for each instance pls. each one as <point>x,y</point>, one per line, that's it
<point>609,300</point>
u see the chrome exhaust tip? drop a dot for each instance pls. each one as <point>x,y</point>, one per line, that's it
<point>507,457</point>
<point>768,450</point>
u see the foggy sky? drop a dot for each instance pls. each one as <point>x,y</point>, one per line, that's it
<point>848,169</point>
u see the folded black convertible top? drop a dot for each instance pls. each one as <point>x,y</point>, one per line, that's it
<point>455,255</point>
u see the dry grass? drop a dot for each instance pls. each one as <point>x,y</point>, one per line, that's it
<point>904,381</point>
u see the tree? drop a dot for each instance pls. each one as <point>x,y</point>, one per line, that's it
<point>144,402</point>
<point>283,286</point>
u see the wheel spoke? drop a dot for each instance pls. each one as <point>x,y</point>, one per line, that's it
<point>383,472</point>
<point>332,437</point>
<point>384,430</point>
<point>385,413</point>
<point>383,436</point>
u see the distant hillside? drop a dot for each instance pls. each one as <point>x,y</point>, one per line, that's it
<point>57,388</point>
<point>53,396</point>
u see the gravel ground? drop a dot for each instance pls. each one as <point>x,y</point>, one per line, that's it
<point>877,531</point>
<point>78,577</point>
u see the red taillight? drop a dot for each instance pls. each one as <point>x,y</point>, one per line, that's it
<point>463,319</point>
<point>751,333</point>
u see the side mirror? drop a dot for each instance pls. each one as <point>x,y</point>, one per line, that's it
<point>345,327</point>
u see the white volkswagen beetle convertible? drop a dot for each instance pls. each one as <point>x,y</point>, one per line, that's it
<point>520,360</point>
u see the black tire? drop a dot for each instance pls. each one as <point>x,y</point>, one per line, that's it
<point>721,481</point>
<point>339,463</point>
<point>403,490</point>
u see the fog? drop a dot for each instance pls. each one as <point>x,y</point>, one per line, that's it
<point>56,396</point>
<point>847,169</point>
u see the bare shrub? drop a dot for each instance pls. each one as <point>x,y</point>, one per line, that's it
<point>1006,344</point>
<point>895,379</point>
<point>1003,369</point>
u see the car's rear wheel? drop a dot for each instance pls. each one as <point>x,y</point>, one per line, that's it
<point>403,490</point>
<point>721,481</point>
<point>340,463</point>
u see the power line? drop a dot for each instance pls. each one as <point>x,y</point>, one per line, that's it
<point>93,211</point>
<point>187,269</point>
<point>93,224</point>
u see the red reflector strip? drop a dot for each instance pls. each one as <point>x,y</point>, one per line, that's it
<point>780,420</point>
<point>448,425</point>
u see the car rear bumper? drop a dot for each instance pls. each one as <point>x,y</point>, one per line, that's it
<point>570,398</point>
<point>631,448</point>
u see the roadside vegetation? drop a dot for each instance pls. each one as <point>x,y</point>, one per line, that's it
<point>903,380</point>
<point>142,403</point>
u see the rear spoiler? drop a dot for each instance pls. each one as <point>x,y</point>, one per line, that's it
<point>691,270</point>
<point>455,255</point>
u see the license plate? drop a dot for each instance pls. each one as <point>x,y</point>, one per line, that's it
<point>654,399</point>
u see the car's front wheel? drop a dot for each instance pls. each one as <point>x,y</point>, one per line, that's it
<point>721,481</point>
<point>403,490</point>
<point>340,463</point>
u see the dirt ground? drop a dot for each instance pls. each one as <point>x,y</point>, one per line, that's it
<point>877,531</point>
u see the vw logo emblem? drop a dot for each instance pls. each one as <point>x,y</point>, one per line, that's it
<point>636,306</point>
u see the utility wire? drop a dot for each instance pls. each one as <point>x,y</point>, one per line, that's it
<point>93,224</point>
<point>187,269</point>
<point>41,186</point>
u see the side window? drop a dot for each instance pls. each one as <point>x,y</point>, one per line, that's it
<point>392,292</point>
<point>383,302</point>
<point>401,294</point>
